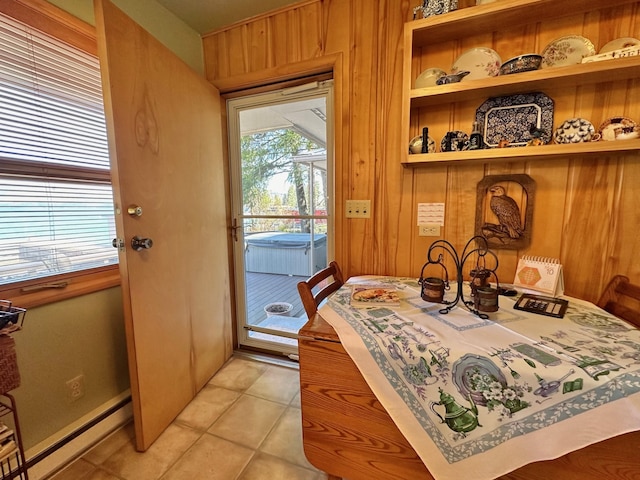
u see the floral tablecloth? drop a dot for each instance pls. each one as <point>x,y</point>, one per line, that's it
<point>478,398</point>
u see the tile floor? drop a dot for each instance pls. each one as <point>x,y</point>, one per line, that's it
<point>244,424</point>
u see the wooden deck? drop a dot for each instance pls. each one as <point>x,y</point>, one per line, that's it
<point>264,288</point>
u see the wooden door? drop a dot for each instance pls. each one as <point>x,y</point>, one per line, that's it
<point>164,127</point>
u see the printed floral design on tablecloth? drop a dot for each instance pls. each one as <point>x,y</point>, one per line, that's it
<point>408,345</point>
<point>495,395</point>
<point>597,321</point>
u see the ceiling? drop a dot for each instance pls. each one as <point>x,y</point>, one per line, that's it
<point>207,15</point>
<point>306,116</point>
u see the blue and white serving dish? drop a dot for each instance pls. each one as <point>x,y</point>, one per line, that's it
<point>511,118</point>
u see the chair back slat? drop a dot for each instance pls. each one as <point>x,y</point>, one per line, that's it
<point>622,299</point>
<point>324,287</point>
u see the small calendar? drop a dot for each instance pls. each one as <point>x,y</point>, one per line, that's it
<point>541,274</point>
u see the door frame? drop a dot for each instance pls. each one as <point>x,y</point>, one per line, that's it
<point>330,65</point>
<point>305,90</point>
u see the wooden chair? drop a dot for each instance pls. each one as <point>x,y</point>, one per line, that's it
<point>622,299</point>
<point>318,287</point>
<point>314,291</point>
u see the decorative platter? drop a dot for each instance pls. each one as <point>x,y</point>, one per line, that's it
<point>481,62</point>
<point>618,128</point>
<point>568,50</point>
<point>429,77</point>
<point>574,130</point>
<point>468,365</point>
<point>618,43</point>
<point>454,141</point>
<point>511,118</point>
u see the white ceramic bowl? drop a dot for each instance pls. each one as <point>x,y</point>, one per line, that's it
<point>278,308</point>
<point>429,77</point>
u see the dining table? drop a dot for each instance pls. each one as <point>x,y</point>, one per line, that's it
<point>410,389</point>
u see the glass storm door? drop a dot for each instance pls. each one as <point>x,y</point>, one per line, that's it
<point>281,175</point>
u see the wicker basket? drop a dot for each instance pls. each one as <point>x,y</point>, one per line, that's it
<point>11,318</point>
<point>9,374</point>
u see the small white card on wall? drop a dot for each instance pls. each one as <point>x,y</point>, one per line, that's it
<point>541,274</point>
<point>431,214</point>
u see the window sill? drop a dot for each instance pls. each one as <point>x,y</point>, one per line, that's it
<point>35,293</point>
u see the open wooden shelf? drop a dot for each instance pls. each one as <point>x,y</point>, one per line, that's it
<point>421,35</point>
<point>485,18</point>
<point>514,154</point>
<point>573,75</point>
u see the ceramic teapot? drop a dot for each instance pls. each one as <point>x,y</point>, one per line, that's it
<point>458,418</point>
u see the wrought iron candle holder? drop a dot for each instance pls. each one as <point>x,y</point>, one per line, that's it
<point>485,297</point>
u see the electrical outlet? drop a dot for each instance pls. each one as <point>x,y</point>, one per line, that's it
<point>429,230</point>
<point>75,388</point>
<point>358,208</point>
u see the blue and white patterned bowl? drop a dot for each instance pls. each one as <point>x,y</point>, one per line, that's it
<point>521,63</point>
<point>574,130</point>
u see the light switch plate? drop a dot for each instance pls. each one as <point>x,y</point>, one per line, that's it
<point>358,208</point>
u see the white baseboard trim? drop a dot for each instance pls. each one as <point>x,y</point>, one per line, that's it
<point>72,449</point>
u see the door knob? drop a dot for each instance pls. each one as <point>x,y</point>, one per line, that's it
<point>138,243</point>
<point>134,210</point>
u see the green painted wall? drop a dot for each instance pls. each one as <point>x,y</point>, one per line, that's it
<point>81,336</point>
<point>172,32</point>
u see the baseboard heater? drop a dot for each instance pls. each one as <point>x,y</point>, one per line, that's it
<point>49,451</point>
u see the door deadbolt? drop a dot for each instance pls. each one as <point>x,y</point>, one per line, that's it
<point>138,243</point>
<point>118,243</point>
<point>134,210</point>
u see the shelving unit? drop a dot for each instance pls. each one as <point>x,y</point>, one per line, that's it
<point>12,460</point>
<point>499,16</point>
<point>523,153</point>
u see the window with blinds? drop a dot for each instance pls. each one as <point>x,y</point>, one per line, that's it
<point>56,205</point>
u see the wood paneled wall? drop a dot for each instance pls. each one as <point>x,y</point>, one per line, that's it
<point>587,210</point>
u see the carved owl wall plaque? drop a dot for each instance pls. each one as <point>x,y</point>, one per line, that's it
<point>504,210</point>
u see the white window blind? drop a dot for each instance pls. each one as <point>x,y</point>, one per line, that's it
<point>56,206</point>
